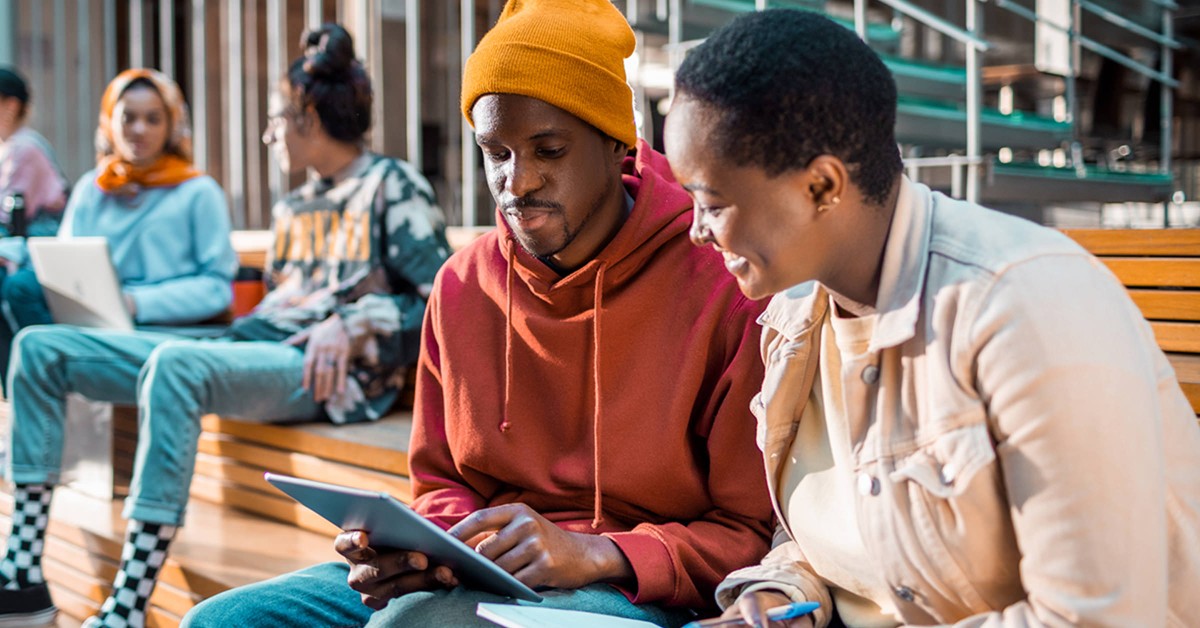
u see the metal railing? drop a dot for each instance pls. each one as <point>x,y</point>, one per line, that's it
<point>971,38</point>
<point>1167,45</point>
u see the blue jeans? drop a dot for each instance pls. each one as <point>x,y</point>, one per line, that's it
<point>24,304</point>
<point>319,596</point>
<point>173,381</point>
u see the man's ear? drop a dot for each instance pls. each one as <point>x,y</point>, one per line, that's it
<point>619,150</point>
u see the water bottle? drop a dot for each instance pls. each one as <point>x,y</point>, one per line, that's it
<point>15,204</point>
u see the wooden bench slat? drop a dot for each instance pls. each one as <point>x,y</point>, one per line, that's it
<point>1155,242</point>
<point>248,472</point>
<point>280,508</point>
<point>1172,272</point>
<point>386,457</point>
<point>1177,337</point>
<point>70,603</point>
<point>1169,305</point>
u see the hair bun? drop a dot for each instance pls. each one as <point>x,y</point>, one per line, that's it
<point>328,51</point>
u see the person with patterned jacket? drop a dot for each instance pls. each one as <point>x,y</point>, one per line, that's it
<point>356,252</point>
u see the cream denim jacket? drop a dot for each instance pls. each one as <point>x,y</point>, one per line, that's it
<point>1023,453</point>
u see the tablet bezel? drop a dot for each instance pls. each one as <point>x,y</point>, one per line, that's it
<point>391,523</point>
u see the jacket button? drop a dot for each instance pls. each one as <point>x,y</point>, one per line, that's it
<point>870,374</point>
<point>868,485</point>
<point>904,593</point>
<point>949,472</point>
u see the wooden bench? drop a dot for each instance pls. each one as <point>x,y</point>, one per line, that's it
<point>239,530</point>
<point>1161,270</point>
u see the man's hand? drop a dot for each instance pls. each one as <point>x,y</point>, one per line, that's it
<point>752,608</point>
<point>379,577</point>
<point>326,357</point>
<point>539,553</point>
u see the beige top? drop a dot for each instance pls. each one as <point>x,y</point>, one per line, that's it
<point>1022,453</point>
<point>819,483</point>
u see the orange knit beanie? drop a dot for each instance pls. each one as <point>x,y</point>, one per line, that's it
<point>569,53</point>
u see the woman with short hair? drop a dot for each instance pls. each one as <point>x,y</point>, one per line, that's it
<point>964,419</point>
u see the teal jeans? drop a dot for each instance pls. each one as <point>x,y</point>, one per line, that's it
<point>173,381</point>
<point>319,596</point>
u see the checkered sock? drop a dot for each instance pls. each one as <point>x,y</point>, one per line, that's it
<point>22,563</point>
<point>144,554</point>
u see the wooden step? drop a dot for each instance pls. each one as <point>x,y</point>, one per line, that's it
<point>217,549</point>
<point>233,454</point>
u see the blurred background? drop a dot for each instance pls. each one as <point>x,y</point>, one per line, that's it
<point>1069,112</point>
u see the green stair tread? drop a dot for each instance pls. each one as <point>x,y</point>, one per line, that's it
<point>876,32</point>
<point>925,71</point>
<point>991,117</point>
<point>1093,174</point>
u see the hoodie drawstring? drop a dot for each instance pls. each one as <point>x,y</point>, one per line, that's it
<point>508,338</point>
<point>598,499</point>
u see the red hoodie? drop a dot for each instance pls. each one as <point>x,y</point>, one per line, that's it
<point>614,400</point>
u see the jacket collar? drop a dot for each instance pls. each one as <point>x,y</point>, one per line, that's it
<point>905,262</point>
<point>902,279</point>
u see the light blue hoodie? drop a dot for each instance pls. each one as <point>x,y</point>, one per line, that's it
<point>170,245</point>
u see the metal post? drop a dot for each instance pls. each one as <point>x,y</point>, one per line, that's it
<point>674,38</point>
<point>1166,114</point>
<point>137,35</point>
<point>250,115</point>
<point>860,19</point>
<point>470,153</point>
<point>199,90</point>
<point>166,37</point>
<point>276,58</point>
<point>974,24</point>
<point>235,166</point>
<point>36,72</point>
<point>374,60</point>
<point>110,40</point>
<point>412,83</point>
<point>1074,54</point>
<point>85,113</point>
<point>8,32</point>
<point>312,14</point>
<point>60,74</point>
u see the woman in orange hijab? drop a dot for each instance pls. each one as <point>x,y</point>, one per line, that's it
<point>167,223</point>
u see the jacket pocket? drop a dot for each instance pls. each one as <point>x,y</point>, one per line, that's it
<point>948,494</point>
<point>946,465</point>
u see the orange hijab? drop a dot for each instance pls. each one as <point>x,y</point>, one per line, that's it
<point>117,176</point>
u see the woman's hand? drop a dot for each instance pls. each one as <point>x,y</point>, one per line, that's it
<point>326,357</point>
<point>539,553</point>
<point>752,608</point>
<point>380,576</point>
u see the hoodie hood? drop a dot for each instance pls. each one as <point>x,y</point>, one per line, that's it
<point>613,401</point>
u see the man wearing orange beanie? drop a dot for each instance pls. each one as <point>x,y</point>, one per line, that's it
<point>585,379</point>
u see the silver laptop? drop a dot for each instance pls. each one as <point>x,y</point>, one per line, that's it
<point>80,283</point>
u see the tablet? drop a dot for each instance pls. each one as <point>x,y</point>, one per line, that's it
<point>390,523</point>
